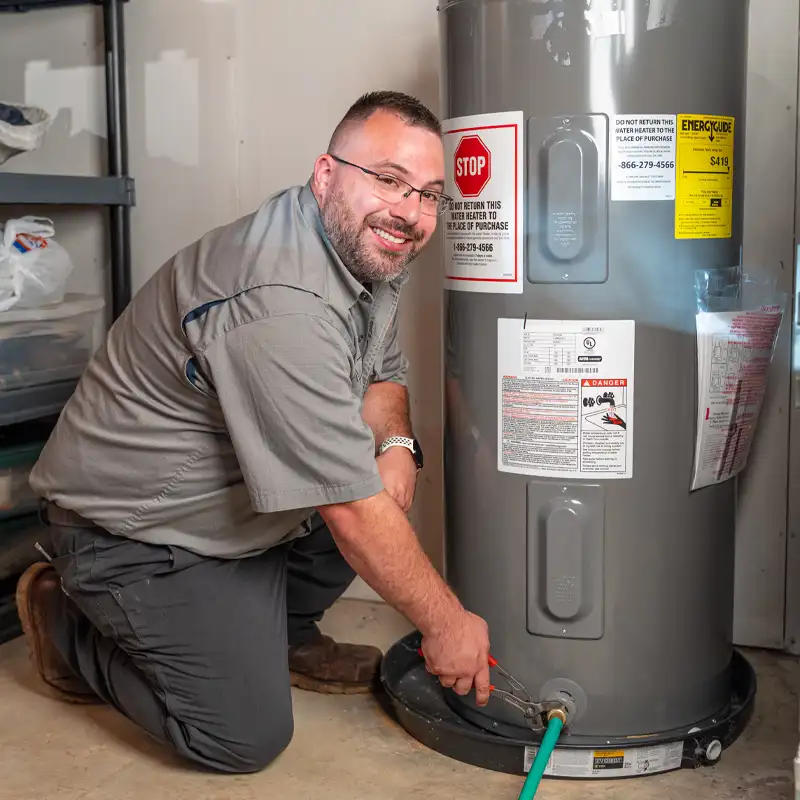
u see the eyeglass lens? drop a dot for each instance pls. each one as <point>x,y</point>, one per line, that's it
<point>393,190</point>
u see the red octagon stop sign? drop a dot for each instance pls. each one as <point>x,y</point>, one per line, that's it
<point>473,167</point>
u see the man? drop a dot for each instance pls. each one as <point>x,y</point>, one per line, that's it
<point>237,450</point>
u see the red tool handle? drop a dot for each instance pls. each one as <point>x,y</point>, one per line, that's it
<point>492,659</point>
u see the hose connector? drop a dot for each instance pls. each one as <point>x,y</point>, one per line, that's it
<point>557,713</point>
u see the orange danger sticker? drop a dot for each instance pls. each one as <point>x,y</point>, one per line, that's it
<point>601,382</point>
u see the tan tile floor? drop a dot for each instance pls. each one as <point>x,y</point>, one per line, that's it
<point>344,748</point>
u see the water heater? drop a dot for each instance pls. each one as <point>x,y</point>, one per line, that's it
<point>595,155</point>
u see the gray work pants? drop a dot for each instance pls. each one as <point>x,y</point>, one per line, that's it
<point>193,649</point>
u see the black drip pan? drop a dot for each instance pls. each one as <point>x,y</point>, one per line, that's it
<point>419,703</point>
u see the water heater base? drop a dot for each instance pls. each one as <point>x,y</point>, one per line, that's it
<point>420,706</point>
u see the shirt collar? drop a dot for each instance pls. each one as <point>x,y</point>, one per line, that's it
<point>352,287</point>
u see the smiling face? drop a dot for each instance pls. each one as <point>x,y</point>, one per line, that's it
<point>376,238</point>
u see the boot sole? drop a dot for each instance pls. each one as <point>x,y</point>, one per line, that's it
<point>328,687</point>
<point>25,613</point>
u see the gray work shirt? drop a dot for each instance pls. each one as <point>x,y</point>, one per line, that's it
<point>225,403</point>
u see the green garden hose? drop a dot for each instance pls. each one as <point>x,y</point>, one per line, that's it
<point>554,726</point>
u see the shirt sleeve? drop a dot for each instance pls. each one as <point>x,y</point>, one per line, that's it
<point>391,365</point>
<point>285,390</point>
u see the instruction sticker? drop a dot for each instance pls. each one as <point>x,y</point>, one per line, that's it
<point>704,189</point>
<point>734,353</point>
<point>566,398</point>
<point>643,157</point>
<point>571,763</point>
<point>483,228</point>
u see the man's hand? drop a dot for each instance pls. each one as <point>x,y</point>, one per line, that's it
<point>398,472</point>
<point>378,542</point>
<point>459,655</point>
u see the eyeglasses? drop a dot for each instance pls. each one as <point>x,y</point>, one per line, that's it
<point>392,189</point>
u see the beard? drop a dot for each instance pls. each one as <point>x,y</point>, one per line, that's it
<point>350,239</point>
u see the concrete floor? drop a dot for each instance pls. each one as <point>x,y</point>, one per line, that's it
<point>345,748</point>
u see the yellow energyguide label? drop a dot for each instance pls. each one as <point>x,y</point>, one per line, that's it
<point>704,177</point>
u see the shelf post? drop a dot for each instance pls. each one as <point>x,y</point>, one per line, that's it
<point>117,112</point>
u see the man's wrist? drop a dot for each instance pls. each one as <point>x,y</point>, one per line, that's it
<point>441,613</point>
<point>394,427</point>
<point>407,442</point>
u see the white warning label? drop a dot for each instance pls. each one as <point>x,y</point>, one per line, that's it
<point>484,227</point>
<point>566,398</point>
<point>571,763</point>
<point>643,157</point>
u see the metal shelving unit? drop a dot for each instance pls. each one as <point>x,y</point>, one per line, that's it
<point>115,190</point>
<point>64,189</point>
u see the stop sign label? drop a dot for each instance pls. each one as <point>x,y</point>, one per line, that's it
<point>473,166</point>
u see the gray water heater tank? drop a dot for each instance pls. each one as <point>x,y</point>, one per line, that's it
<point>619,586</point>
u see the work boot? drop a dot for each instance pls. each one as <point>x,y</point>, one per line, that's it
<point>35,599</point>
<point>323,665</point>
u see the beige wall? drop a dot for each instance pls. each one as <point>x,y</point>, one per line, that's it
<point>230,100</point>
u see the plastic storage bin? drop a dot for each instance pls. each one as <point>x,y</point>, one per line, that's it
<point>48,399</point>
<point>16,496</point>
<point>47,345</point>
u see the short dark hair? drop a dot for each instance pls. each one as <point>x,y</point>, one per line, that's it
<point>409,108</point>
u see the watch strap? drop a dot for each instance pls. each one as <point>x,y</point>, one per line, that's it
<point>397,441</point>
<point>403,441</point>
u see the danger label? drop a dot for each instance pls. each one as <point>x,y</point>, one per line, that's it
<point>605,382</point>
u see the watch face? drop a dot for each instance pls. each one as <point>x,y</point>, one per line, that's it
<point>418,454</point>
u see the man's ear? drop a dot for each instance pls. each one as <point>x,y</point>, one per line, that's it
<point>323,174</point>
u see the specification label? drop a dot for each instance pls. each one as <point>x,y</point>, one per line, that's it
<point>565,396</point>
<point>568,763</point>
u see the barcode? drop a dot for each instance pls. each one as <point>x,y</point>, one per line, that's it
<point>575,370</point>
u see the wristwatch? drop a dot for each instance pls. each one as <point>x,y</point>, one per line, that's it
<point>410,444</point>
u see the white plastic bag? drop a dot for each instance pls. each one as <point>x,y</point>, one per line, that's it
<point>34,267</point>
<point>25,130</point>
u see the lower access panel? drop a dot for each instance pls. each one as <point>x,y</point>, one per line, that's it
<point>566,538</point>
